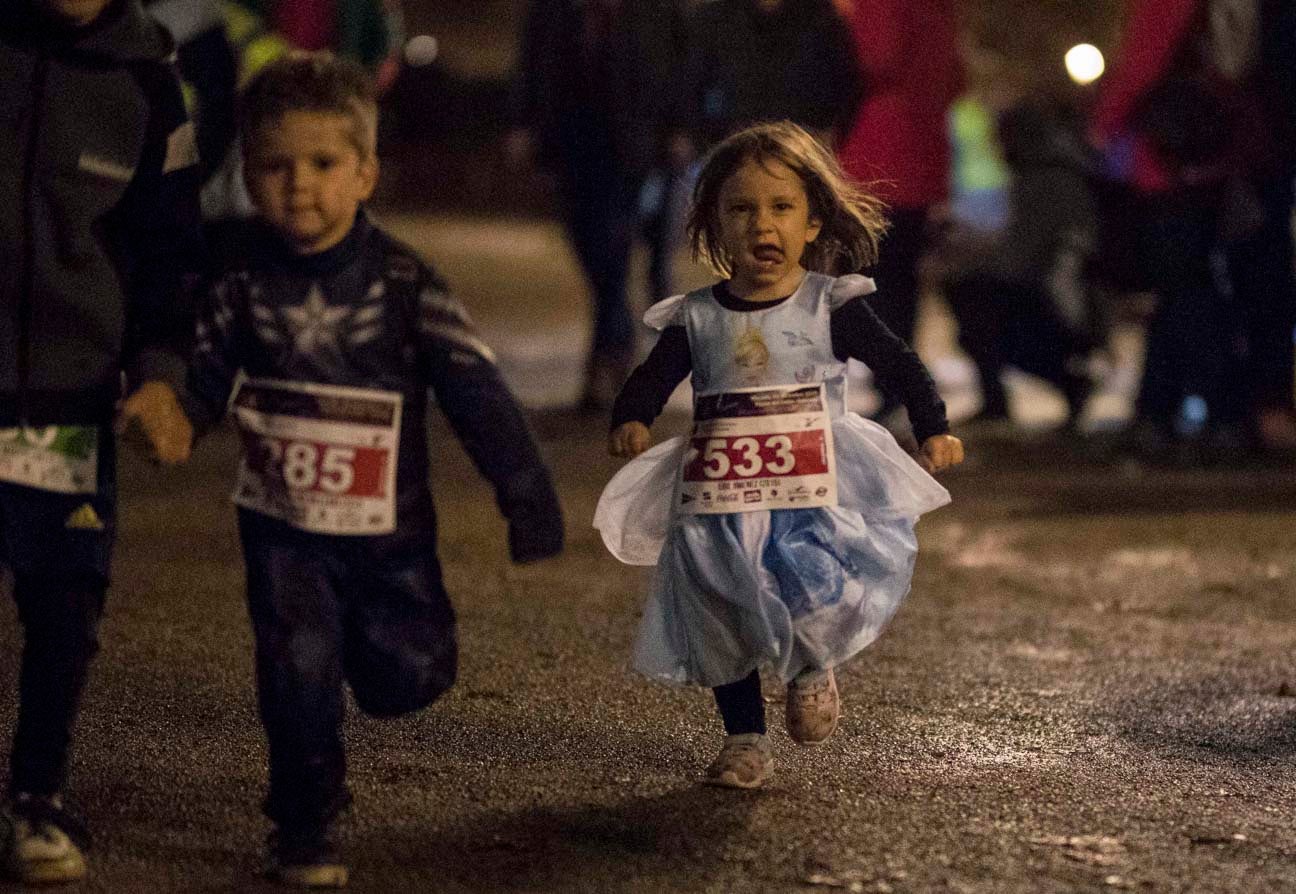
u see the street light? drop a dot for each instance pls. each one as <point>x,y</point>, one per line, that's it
<point>1084,63</point>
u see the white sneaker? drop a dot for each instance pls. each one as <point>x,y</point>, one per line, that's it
<point>745,761</point>
<point>813,707</point>
<point>35,850</point>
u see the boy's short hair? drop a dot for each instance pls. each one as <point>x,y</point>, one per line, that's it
<point>312,82</point>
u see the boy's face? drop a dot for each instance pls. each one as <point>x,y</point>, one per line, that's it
<point>74,12</point>
<point>765,225</point>
<point>307,178</point>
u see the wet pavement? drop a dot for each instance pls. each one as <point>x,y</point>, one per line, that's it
<point>1090,688</point>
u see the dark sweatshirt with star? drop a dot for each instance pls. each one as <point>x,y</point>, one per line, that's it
<point>370,313</point>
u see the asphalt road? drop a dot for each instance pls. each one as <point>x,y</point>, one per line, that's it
<point>1089,688</point>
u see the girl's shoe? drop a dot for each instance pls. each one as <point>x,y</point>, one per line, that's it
<point>40,843</point>
<point>813,707</point>
<point>745,761</point>
<point>305,860</point>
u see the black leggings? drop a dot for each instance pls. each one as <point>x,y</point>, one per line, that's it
<point>741,706</point>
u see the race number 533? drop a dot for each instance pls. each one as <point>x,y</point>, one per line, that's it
<point>757,456</point>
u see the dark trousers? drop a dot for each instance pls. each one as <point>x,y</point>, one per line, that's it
<point>1005,323</point>
<point>1260,267</point>
<point>600,211</point>
<point>1191,334</point>
<point>741,707</point>
<point>60,555</point>
<point>369,611</point>
<point>896,274</point>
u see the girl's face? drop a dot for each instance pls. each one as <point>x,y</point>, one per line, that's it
<point>765,226</point>
<point>307,178</point>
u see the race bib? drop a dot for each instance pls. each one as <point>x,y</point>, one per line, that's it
<point>59,458</point>
<point>319,457</point>
<point>759,448</point>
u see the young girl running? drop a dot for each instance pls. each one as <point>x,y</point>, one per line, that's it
<point>782,528</point>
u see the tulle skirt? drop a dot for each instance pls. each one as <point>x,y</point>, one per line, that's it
<point>794,589</point>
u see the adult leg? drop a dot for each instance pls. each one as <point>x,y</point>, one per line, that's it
<point>978,308</point>
<point>1261,272</point>
<point>1184,345</point>
<point>599,210</point>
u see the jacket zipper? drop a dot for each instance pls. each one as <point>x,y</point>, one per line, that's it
<point>28,280</point>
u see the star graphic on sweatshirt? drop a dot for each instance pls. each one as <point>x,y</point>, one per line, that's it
<point>314,324</point>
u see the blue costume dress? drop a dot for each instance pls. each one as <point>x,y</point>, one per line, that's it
<point>795,589</point>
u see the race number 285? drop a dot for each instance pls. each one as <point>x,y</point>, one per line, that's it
<point>326,468</point>
<point>757,456</point>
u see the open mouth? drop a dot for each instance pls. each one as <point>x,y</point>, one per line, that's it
<point>767,255</point>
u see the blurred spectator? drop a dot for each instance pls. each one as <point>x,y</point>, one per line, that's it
<point>1177,120</point>
<point>1261,263</point>
<point>369,32</point>
<point>747,61</point>
<point>1024,296</point>
<point>592,101</point>
<point>907,51</point>
<point>767,60</point>
<point>208,73</point>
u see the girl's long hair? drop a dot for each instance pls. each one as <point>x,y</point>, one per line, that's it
<point>852,219</point>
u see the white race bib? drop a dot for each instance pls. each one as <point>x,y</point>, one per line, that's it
<point>320,457</point>
<point>759,448</point>
<point>59,458</point>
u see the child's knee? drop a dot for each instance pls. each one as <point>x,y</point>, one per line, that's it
<point>392,685</point>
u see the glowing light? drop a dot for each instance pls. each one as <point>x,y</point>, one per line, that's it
<point>421,50</point>
<point>1084,63</point>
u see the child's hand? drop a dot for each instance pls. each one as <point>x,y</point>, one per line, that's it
<point>629,439</point>
<point>152,417</point>
<point>940,452</point>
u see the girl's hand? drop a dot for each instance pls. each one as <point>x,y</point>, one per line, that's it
<point>629,439</point>
<point>940,452</point>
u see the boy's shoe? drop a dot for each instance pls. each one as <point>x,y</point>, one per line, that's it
<point>813,707</point>
<point>745,761</point>
<point>305,860</point>
<point>41,843</point>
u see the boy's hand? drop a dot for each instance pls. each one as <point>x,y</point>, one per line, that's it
<point>629,439</point>
<point>152,418</point>
<point>939,452</point>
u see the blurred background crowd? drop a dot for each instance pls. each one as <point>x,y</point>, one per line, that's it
<point>1058,173</point>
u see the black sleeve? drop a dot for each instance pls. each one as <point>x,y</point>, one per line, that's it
<point>653,381</point>
<point>488,422</point>
<point>857,332</point>
<point>215,361</point>
<point>158,238</point>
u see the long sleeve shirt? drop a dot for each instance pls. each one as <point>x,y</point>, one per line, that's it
<point>856,333</point>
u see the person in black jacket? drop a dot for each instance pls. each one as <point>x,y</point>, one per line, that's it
<point>98,228</point>
<point>340,330</point>
<point>592,100</point>
<point>766,60</point>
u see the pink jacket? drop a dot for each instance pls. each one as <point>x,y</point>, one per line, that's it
<point>909,59</point>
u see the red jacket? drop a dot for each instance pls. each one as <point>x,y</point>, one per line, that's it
<point>909,58</point>
<point>1153,34</point>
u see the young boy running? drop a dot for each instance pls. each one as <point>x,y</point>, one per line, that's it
<point>339,331</point>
